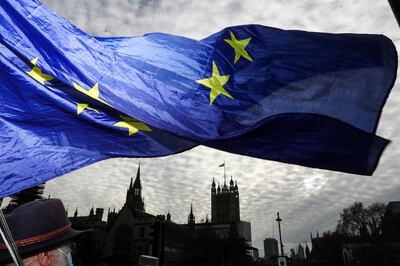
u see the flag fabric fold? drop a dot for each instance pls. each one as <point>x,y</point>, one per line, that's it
<point>69,99</point>
<point>310,140</point>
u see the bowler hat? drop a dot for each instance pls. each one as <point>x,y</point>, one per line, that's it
<point>37,226</point>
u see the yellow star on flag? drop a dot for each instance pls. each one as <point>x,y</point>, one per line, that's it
<point>93,93</point>
<point>36,73</point>
<point>239,46</point>
<point>82,106</point>
<point>215,83</point>
<point>133,125</point>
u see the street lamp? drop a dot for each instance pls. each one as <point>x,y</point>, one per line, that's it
<point>280,234</point>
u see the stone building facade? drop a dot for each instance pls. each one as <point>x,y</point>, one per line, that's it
<point>131,231</point>
<point>225,207</point>
<point>129,235</point>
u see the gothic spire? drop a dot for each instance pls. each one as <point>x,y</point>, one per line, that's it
<point>137,184</point>
<point>168,216</point>
<point>213,189</point>
<point>134,195</point>
<point>191,218</point>
<point>138,172</point>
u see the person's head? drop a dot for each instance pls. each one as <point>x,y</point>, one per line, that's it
<point>58,256</point>
<point>42,233</point>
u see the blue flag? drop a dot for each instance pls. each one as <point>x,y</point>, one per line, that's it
<point>68,99</point>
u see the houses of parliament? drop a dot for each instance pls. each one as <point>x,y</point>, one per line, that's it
<point>131,231</point>
<point>225,206</point>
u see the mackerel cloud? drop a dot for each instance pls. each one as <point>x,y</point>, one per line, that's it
<point>308,199</point>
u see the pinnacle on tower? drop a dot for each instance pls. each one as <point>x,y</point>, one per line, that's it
<point>191,218</point>
<point>137,185</point>
<point>138,172</point>
<point>134,194</point>
<point>137,180</point>
<point>213,189</point>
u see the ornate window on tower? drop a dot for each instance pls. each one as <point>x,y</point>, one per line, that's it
<point>136,191</point>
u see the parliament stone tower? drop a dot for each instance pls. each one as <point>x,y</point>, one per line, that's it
<point>225,203</point>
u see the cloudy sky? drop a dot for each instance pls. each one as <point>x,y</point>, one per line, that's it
<point>308,199</point>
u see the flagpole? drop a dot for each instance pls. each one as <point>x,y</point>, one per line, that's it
<point>280,234</point>
<point>224,173</point>
<point>8,240</point>
<point>8,246</point>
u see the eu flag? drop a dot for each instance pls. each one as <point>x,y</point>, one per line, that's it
<point>68,99</point>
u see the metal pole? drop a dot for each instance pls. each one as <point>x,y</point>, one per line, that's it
<point>395,5</point>
<point>280,234</point>
<point>224,173</point>
<point>9,241</point>
<point>162,257</point>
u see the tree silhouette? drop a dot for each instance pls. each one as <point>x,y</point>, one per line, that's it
<point>359,221</point>
<point>25,196</point>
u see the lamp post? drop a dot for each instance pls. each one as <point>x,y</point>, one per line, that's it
<point>280,234</point>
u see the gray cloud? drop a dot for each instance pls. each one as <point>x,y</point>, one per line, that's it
<point>307,199</point>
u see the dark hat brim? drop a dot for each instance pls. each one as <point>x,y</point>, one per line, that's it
<point>29,250</point>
